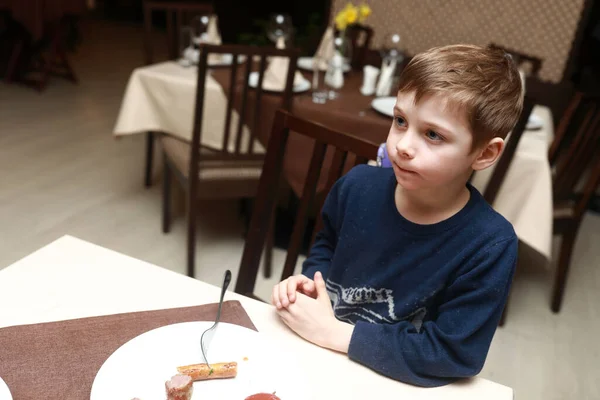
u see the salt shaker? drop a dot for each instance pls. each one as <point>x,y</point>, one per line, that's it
<point>370,74</point>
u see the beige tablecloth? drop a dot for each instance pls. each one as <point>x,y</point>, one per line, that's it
<point>525,197</point>
<point>161,98</point>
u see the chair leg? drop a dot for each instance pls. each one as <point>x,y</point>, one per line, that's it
<point>166,209</point>
<point>191,237</point>
<point>149,156</point>
<point>12,62</point>
<point>562,269</point>
<point>268,263</point>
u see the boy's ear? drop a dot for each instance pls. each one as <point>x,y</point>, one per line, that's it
<point>489,154</point>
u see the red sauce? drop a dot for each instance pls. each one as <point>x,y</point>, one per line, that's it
<point>263,396</point>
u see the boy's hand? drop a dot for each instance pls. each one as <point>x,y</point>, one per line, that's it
<point>284,293</point>
<point>314,320</point>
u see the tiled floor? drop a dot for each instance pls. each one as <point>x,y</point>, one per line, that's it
<point>62,172</point>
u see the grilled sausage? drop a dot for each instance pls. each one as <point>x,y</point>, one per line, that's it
<point>202,372</point>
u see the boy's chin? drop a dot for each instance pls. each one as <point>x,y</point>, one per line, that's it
<point>408,185</point>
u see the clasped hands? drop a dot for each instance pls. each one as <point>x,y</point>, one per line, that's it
<point>304,305</point>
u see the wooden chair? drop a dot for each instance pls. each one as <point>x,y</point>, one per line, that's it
<point>575,160</point>
<point>55,61</point>
<point>222,172</point>
<point>360,37</point>
<point>497,178</point>
<point>347,151</point>
<point>530,64</point>
<point>178,13</point>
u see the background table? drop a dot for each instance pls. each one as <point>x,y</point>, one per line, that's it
<point>161,98</point>
<point>35,14</point>
<point>525,197</point>
<point>73,279</point>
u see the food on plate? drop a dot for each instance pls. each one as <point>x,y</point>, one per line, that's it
<point>202,372</point>
<point>179,387</point>
<point>263,396</point>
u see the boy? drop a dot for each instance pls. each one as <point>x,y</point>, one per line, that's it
<point>416,264</point>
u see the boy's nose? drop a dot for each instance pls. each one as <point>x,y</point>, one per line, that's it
<point>405,147</point>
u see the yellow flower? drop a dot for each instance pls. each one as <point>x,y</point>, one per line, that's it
<point>351,14</point>
<point>364,11</point>
<point>341,20</point>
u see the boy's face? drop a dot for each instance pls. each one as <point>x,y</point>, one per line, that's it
<point>429,144</point>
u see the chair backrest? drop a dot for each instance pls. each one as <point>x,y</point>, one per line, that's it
<point>530,64</point>
<point>178,14</point>
<point>574,154</point>
<point>347,151</point>
<point>243,101</point>
<point>497,178</point>
<point>360,37</point>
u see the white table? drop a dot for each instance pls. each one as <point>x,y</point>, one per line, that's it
<point>161,98</point>
<point>71,278</point>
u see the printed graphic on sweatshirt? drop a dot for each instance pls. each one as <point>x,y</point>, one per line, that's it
<point>369,304</point>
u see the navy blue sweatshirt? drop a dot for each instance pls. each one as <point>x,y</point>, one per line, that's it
<point>425,299</point>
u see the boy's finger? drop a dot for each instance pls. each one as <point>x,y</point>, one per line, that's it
<point>309,286</point>
<point>283,297</point>
<point>293,285</point>
<point>275,296</point>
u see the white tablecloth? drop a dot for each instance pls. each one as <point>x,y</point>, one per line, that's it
<point>525,197</point>
<point>161,98</point>
<point>74,279</point>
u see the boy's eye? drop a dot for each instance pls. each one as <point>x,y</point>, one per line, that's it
<point>433,136</point>
<point>400,121</point>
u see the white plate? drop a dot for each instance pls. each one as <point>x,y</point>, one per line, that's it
<point>384,105</point>
<point>534,122</point>
<point>306,63</point>
<point>4,392</point>
<point>302,87</point>
<point>141,366</point>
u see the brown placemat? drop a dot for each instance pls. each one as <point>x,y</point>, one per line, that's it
<point>59,360</point>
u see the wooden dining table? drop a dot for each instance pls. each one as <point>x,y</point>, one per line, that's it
<point>160,98</point>
<point>68,306</point>
<point>349,112</point>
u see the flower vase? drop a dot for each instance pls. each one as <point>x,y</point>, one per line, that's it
<point>334,78</point>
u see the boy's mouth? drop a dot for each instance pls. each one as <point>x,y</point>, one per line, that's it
<point>404,170</point>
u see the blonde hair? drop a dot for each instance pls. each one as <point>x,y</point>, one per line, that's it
<point>483,82</point>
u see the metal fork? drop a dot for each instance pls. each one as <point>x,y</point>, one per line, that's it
<point>204,343</point>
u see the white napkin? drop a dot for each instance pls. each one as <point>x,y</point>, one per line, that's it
<point>276,73</point>
<point>212,32</point>
<point>212,36</point>
<point>384,86</point>
<point>325,51</point>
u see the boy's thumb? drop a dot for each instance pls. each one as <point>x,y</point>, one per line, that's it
<point>320,286</point>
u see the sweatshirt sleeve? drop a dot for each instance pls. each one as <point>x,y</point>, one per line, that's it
<point>456,342</point>
<point>321,253</point>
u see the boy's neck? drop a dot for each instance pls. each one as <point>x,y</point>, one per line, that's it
<point>431,206</point>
